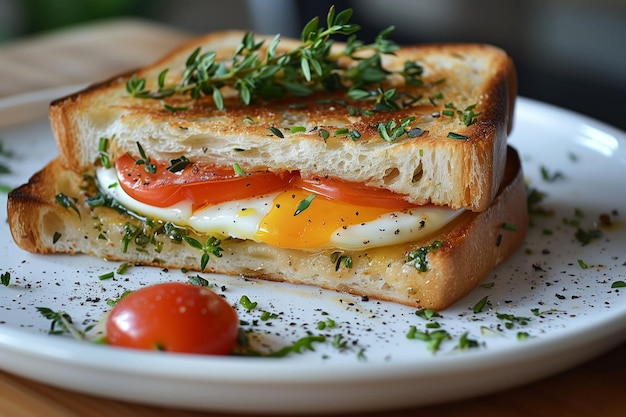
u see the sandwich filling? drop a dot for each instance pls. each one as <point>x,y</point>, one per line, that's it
<point>279,209</point>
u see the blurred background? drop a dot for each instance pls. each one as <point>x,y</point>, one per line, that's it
<point>571,53</point>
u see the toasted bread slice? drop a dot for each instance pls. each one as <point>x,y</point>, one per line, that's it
<point>470,247</point>
<point>429,168</point>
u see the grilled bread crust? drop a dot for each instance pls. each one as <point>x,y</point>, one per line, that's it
<point>471,246</point>
<point>430,168</point>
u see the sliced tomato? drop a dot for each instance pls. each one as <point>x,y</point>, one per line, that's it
<point>352,192</point>
<point>200,184</point>
<point>174,317</point>
<point>205,185</point>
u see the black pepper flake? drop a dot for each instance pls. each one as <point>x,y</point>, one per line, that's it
<point>499,240</point>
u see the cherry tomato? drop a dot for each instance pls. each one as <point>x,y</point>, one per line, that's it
<point>352,192</point>
<point>174,317</point>
<point>200,184</point>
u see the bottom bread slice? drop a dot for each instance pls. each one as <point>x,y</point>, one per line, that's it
<point>50,214</point>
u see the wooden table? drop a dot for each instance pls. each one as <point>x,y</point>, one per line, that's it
<point>94,52</point>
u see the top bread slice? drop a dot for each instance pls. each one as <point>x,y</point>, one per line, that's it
<point>429,168</point>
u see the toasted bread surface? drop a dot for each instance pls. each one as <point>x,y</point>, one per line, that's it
<point>429,168</point>
<point>471,246</point>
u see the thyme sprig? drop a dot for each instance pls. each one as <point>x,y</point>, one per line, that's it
<point>61,322</point>
<point>210,247</point>
<point>267,73</point>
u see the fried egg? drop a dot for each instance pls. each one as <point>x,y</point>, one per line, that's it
<point>279,219</point>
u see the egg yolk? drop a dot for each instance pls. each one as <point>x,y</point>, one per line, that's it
<point>313,226</point>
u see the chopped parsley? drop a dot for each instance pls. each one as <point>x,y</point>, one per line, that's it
<point>304,204</point>
<point>246,303</point>
<point>418,257</point>
<point>5,278</point>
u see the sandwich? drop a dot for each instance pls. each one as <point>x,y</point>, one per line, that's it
<point>372,169</point>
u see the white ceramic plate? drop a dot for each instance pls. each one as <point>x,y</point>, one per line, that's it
<point>574,313</point>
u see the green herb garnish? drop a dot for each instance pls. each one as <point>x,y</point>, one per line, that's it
<point>586,236</point>
<point>467,115</point>
<point>174,109</point>
<point>121,270</point>
<point>433,339</point>
<point>238,171</point>
<point>392,130</point>
<point>198,281</point>
<point>144,160</point>
<point>103,151</point>
<point>111,302</point>
<point>457,136</point>
<point>311,65</point>
<point>511,320</point>
<point>550,177</point>
<point>427,313</point>
<point>418,257</point>
<point>266,315</point>
<point>533,199</point>
<point>107,275</point>
<point>246,303</point>
<point>297,129</point>
<point>479,306</point>
<point>338,259</point>
<point>466,343</point>
<point>210,247</point>
<point>178,164</point>
<point>304,204</point>
<point>67,202</point>
<point>5,278</point>
<point>276,132</point>
<point>327,324</point>
<point>61,323</point>
<point>305,343</point>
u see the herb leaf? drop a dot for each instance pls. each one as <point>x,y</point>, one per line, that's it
<point>309,66</point>
<point>210,247</point>
<point>66,202</point>
<point>418,257</point>
<point>178,164</point>
<point>5,279</point>
<point>144,160</point>
<point>304,204</point>
<point>305,343</point>
<point>61,322</point>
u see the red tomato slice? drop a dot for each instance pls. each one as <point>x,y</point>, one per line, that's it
<point>204,185</point>
<point>200,184</point>
<point>174,317</point>
<point>352,192</point>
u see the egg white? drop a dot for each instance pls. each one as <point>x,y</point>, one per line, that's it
<point>241,218</point>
